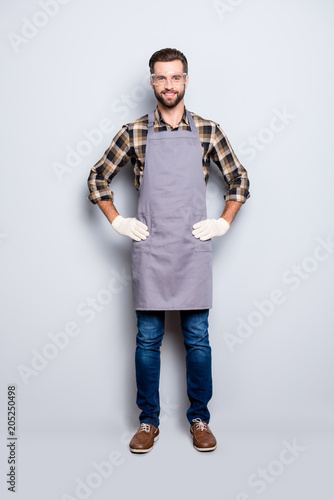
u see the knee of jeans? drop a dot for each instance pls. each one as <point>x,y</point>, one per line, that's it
<point>145,342</point>
<point>197,341</point>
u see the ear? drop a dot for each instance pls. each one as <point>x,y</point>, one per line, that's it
<point>187,81</point>
<point>151,83</point>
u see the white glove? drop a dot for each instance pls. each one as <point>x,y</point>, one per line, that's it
<point>209,228</point>
<point>131,227</point>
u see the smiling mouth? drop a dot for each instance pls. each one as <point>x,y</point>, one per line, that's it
<point>169,95</point>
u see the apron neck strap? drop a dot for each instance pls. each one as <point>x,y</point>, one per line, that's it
<point>151,120</point>
<point>191,122</point>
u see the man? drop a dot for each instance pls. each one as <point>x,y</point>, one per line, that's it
<point>170,150</point>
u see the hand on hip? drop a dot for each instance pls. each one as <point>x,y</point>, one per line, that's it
<point>130,227</point>
<point>210,228</point>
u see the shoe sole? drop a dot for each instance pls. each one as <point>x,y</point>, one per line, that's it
<point>205,449</point>
<point>135,450</point>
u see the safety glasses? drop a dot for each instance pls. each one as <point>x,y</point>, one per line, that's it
<point>161,79</point>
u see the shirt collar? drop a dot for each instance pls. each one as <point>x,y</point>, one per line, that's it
<point>161,121</point>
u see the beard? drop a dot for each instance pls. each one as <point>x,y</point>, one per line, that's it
<point>169,103</point>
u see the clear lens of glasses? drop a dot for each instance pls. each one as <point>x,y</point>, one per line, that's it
<point>160,79</point>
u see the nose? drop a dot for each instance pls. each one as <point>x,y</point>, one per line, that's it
<point>167,81</point>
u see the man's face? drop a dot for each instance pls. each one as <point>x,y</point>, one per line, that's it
<point>169,95</point>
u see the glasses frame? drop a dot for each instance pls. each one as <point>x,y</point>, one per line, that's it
<point>168,79</point>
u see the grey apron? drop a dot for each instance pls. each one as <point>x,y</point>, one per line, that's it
<point>171,269</point>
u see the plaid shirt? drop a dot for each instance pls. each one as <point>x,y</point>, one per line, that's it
<point>130,144</point>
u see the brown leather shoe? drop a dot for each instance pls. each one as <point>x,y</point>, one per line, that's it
<point>143,440</point>
<point>203,439</point>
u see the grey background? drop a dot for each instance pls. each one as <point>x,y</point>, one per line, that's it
<point>248,62</point>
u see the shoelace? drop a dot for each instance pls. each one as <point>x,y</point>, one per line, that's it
<point>200,425</point>
<point>144,428</point>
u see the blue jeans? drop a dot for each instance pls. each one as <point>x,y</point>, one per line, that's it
<point>194,325</point>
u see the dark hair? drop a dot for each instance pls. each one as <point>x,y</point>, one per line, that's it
<point>166,55</point>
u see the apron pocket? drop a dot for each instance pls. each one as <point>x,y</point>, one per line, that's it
<point>143,245</point>
<point>203,246</point>
<point>199,245</point>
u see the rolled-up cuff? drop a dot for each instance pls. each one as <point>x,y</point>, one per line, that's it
<point>104,195</point>
<point>240,197</point>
